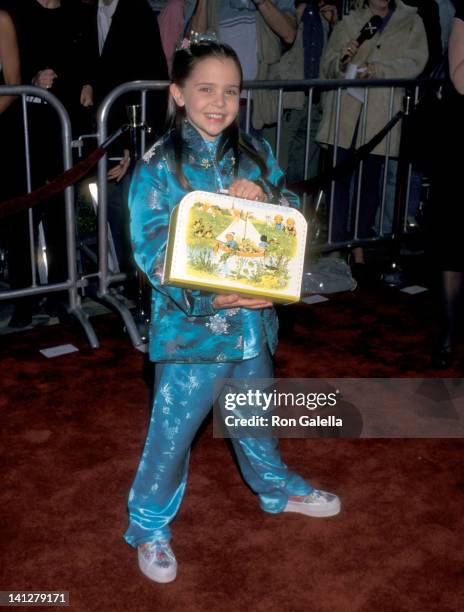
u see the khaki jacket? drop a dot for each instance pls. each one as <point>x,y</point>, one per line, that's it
<point>400,51</point>
<point>290,67</point>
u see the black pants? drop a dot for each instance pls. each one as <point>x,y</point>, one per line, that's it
<point>345,197</point>
<point>46,163</point>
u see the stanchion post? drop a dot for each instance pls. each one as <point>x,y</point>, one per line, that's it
<point>394,275</point>
<point>137,127</point>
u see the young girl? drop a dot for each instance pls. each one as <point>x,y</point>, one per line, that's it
<point>197,337</point>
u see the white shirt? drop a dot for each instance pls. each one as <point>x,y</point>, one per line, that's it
<point>104,17</point>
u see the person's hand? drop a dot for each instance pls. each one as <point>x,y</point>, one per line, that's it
<point>117,172</point>
<point>329,12</point>
<point>44,78</point>
<point>232,300</point>
<point>243,188</point>
<point>87,95</point>
<point>348,53</point>
<point>300,9</point>
<point>366,71</point>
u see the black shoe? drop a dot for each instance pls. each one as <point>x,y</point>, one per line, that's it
<point>56,310</point>
<point>21,317</point>
<point>363,273</point>
<point>443,358</point>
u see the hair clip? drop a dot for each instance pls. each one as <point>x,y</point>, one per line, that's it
<point>197,39</point>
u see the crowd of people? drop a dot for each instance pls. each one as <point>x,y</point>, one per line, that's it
<point>80,51</point>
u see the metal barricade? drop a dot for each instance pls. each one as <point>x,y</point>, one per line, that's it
<point>71,285</point>
<point>310,87</point>
<point>106,279</point>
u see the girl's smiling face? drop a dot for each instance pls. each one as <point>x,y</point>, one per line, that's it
<point>211,96</point>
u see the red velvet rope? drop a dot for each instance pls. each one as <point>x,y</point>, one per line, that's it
<point>58,184</point>
<point>74,174</point>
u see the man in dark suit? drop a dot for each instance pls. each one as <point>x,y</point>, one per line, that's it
<point>124,40</point>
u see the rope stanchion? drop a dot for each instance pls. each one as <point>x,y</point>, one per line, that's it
<point>349,165</point>
<point>81,169</point>
<point>19,204</point>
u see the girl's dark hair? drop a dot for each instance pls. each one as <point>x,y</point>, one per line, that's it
<point>184,62</point>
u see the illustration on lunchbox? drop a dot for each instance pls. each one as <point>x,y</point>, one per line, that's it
<point>225,244</point>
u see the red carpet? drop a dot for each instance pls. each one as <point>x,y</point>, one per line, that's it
<point>72,431</point>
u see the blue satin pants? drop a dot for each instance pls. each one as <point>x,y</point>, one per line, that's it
<point>184,396</point>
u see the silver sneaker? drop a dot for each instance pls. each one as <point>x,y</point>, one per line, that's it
<point>317,503</point>
<point>157,561</point>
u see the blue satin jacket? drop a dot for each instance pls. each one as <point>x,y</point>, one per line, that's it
<point>184,325</point>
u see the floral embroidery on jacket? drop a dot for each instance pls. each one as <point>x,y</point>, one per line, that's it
<point>205,163</point>
<point>218,325</point>
<point>231,312</point>
<point>151,151</point>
